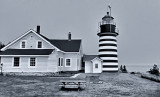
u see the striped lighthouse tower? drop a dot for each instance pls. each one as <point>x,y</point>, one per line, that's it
<point>108,43</point>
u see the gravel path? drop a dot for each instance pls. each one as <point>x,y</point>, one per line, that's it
<point>74,76</point>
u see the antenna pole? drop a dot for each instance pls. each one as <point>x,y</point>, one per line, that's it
<point>110,15</point>
<point>109,9</point>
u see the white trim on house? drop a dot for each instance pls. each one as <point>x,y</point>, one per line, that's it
<point>80,49</point>
<point>61,65</point>
<point>13,63</point>
<point>70,62</point>
<point>96,58</point>
<point>4,48</point>
<point>80,45</point>
<point>30,64</point>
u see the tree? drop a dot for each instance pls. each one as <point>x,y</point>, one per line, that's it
<point>121,68</point>
<point>154,70</point>
<point>124,69</point>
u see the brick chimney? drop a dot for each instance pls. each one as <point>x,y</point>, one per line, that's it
<point>38,29</point>
<point>69,36</point>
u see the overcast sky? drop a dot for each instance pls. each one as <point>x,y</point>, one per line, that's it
<point>138,22</point>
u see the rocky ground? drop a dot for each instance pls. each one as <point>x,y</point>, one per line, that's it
<point>98,85</point>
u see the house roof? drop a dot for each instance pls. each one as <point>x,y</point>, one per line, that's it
<point>66,45</point>
<point>29,31</point>
<point>89,57</point>
<point>63,45</point>
<point>27,52</point>
<point>43,36</point>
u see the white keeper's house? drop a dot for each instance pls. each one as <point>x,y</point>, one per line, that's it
<point>33,52</point>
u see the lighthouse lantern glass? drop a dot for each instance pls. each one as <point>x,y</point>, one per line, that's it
<point>107,21</point>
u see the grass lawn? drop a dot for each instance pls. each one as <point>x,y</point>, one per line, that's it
<point>114,85</point>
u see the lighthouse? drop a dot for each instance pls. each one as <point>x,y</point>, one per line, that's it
<point>108,42</point>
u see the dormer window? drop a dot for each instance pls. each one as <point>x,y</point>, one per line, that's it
<point>39,44</point>
<point>23,44</point>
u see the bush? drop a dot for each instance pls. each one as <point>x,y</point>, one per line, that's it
<point>151,77</point>
<point>1,74</point>
<point>132,72</point>
<point>154,70</point>
<point>123,69</point>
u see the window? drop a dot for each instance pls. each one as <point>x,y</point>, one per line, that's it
<point>16,62</point>
<point>32,61</point>
<point>59,61</point>
<point>68,62</point>
<point>39,44</point>
<point>96,65</point>
<point>23,45</point>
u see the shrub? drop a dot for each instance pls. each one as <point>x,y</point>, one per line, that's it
<point>154,70</point>
<point>132,72</point>
<point>123,69</point>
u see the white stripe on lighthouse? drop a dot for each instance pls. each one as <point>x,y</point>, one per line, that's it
<point>110,69</point>
<point>109,58</point>
<point>107,47</point>
<point>107,37</point>
<point>111,42</point>
<point>108,53</point>
<point>107,63</point>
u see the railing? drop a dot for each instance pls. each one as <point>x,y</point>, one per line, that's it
<point>117,30</point>
<point>102,23</point>
<point>105,22</point>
